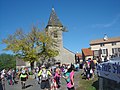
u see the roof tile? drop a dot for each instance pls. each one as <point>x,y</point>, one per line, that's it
<point>98,41</point>
<point>87,52</point>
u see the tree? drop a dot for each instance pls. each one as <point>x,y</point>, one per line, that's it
<point>32,46</point>
<point>7,61</point>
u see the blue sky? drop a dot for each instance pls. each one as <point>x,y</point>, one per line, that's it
<point>85,20</point>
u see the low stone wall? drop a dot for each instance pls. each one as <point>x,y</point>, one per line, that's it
<point>107,84</point>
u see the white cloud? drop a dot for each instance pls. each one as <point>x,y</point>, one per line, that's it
<point>115,20</point>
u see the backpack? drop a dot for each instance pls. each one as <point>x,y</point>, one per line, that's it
<point>44,75</point>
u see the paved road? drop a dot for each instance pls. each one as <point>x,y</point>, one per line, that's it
<point>32,84</point>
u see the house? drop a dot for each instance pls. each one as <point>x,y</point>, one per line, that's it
<point>78,58</point>
<point>87,53</point>
<point>20,63</point>
<point>106,47</point>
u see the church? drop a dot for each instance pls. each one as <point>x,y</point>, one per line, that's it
<point>55,29</point>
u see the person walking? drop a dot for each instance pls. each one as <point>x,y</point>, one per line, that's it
<point>44,75</point>
<point>23,77</point>
<point>9,77</point>
<point>57,77</point>
<point>2,80</point>
<point>88,69</point>
<point>1,87</point>
<point>69,77</point>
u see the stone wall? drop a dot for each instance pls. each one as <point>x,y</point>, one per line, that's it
<point>68,57</point>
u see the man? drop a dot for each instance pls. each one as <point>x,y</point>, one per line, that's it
<point>44,74</point>
<point>23,77</point>
<point>1,83</point>
<point>2,80</point>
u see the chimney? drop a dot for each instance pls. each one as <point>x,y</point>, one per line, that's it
<point>105,37</point>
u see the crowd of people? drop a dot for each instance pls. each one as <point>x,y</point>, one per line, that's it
<point>8,75</point>
<point>89,67</point>
<point>48,78</point>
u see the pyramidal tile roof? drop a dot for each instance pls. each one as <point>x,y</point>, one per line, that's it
<point>54,20</point>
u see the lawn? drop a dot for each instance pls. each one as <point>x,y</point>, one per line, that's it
<point>88,84</point>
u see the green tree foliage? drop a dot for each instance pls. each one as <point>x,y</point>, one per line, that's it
<point>31,46</point>
<point>7,61</point>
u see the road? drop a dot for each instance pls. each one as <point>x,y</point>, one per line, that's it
<point>32,84</point>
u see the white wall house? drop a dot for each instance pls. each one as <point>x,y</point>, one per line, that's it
<point>87,53</point>
<point>106,47</point>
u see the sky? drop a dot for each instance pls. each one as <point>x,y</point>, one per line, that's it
<point>85,20</point>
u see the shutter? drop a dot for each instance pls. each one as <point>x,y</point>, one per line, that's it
<point>93,54</point>
<point>100,52</point>
<point>106,52</point>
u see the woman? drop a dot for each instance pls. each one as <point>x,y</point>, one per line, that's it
<point>69,76</point>
<point>57,77</point>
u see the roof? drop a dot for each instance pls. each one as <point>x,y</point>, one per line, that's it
<point>79,55</point>
<point>98,41</point>
<point>68,50</point>
<point>54,20</point>
<point>87,52</point>
<point>20,62</point>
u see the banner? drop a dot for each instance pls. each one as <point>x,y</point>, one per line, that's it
<point>110,70</point>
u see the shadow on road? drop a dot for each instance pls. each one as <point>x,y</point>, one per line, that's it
<point>16,82</point>
<point>27,86</point>
<point>84,77</point>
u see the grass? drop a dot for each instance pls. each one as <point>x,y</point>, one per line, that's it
<point>88,84</point>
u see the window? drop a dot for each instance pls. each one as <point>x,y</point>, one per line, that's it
<point>114,43</point>
<point>104,51</point>
<point>118,49</point>
<point>55,35</point>
<point>102,44</point>
<point>96,53</point>
<point>115,50</point>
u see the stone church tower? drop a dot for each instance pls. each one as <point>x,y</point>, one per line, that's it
<point>55,29</point>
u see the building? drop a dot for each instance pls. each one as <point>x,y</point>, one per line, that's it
<point>20,63</point>
<point>87,53</point>
<point>55,29</point>
<point>78,58</point>
<point>105,47</point>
